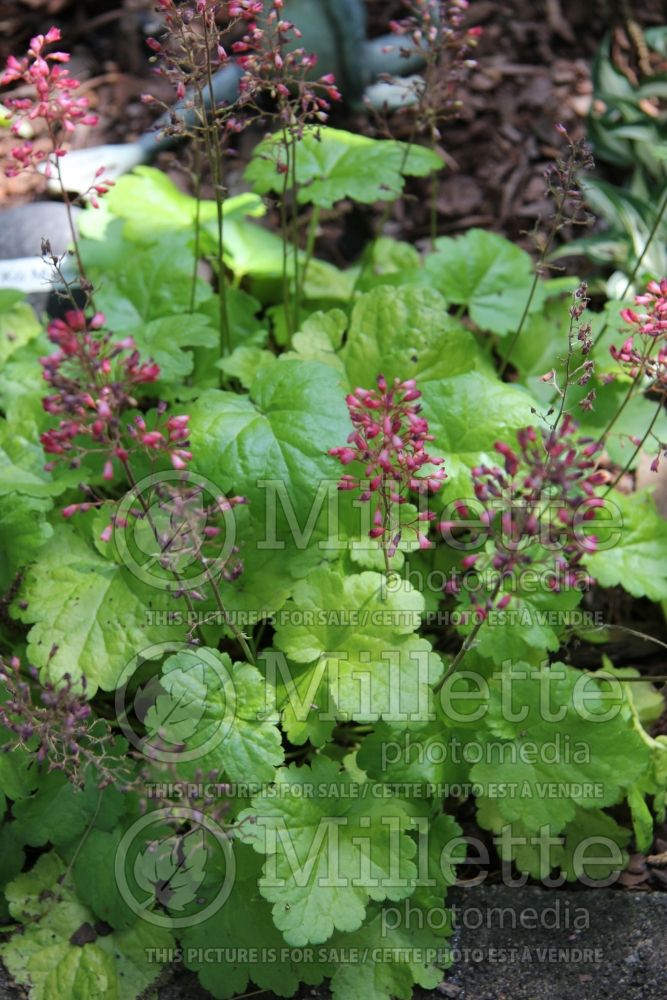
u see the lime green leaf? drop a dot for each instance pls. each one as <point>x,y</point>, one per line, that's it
<point>148,283</point>
<point>319,339</point>
<point>18,326</point>
<point>42,958</point>
<point>645,698</point>
<point>222,710</point>
<point>467,414</point>
<point>92,610</point>
<point>590,848</point>
<point>296,412</point>
<point>244,363</point>
<point>358,643</point>
<point>638,560</point>
<point>21,467</point>
<point>152,205</point>
<point>540,763</point>
<point>381,974</point>
<point>167,341</point>
<point>332,165</point>
<point>406,333</point>
<point>534,621</point>
<point>642,820</point>
<point>488,275</point>
<point>329,852</point>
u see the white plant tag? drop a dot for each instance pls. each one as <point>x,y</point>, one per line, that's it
<point>26,274</point>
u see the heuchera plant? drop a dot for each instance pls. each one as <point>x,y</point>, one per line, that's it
<point>389,439</point>
<point>235,726</point>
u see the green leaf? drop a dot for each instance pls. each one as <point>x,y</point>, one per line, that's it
<point>550,747</point>
<point>406,333</point>
<point>244,363</point>
<point>467,414</point>
<point>12,857</point>
<point>221,711</point>
<point>488,275</point>
<point>92,610</point>
<point>18,326</point>
<point>296,411</point>
<point>638,559</point>
<point>24,530</point>
<point>96,884</point>
<point>329,850</point>
<point>173,870</point>
<point>389,262</point>
<point>58,811</point>
<point>152,205</point>
<point>42,958</point>
<point>332,165</point>
<point>242,923</point>
<point>363,659</point>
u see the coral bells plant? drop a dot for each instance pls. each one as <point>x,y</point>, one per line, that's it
<point>93,381</point>
<point>55,723</point>
<point>652,320</point>
<point>643,355</point>
<point>55,101</point>
<point>389,439</point>
<point>535,509</point>
<point>437,30</point>
<point>273,63</point>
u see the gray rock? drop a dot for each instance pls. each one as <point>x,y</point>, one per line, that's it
<point>22,230</point>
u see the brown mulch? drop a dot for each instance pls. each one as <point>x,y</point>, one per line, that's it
<point>533,70</point>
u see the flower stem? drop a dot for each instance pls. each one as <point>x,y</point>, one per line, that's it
<point>467,645</point>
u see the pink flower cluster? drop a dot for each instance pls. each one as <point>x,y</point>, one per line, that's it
<point>389,439</point>
<point>272,64</point>
<point>535,510</point>
<point>94,379</point>
<point>437,28</point>
<point>55,102</point>
<point>192,46</point>
<point>649,359</point>
<point>652,321</point>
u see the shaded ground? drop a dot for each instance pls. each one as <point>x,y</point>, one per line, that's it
<point>534,69</point>
<point>528,944</point>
